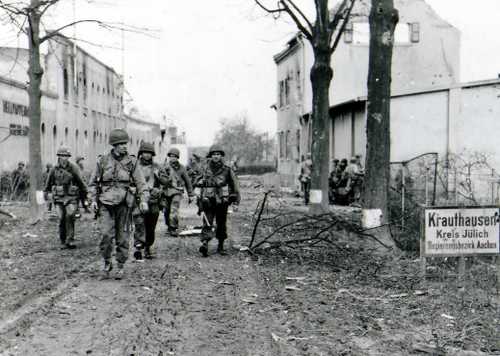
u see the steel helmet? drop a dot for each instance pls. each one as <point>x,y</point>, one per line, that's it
<point>215,148</point>
<point>146,147</point>
<point>63,151</point>
<point>117,136</point>
<point>174,152</point>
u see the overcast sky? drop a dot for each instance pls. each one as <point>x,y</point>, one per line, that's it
<point>213,59</point>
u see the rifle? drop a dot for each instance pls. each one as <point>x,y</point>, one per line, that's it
<point>130,206</point>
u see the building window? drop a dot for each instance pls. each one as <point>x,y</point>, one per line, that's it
<point>43,128</point>
<point>348,33</point>
<point>297,143</point>
<point>415,32</point>
<point>281,139</point>
<point>284,94</point>
<point>65,83</point>
<point>287,145</point>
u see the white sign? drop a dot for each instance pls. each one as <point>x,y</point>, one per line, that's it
<point>455,232</point>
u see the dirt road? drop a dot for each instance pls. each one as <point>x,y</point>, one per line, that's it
<point>312,302</point>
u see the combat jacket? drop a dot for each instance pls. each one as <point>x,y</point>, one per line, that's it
<point>150,171</point>
<point>65,184</point>
<point>118,180</point>
<point>174,178</point>
<point>218,182</point>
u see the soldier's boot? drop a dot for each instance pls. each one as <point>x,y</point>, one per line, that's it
<point>138,254</point>
<point>220,248</point>
<point>204,249</point>
<point>173,232</point>
<point>70,245</point>
<point>120,273</point>
<point>148,253</point>
<point>108,267</point>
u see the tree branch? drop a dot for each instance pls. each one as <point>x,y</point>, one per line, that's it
<point>302,28</point>
<point>342,28</point>
<point>295,19</point>
<point>309,24</point>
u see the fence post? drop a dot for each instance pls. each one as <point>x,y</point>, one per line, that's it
<point>403,178</point>
<point>492,186</point>
<point>427,185</point>
<point>423,260</point>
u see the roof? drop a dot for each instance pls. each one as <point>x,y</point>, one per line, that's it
<point>87,53</point>
<point>292,45</point>
<point>465,85</point>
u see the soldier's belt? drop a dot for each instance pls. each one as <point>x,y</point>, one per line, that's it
<point>115,182</point>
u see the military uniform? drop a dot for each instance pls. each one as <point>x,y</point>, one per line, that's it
<point>145,222</point>
<point>67,187</point>
<point>305,178</point>
<point>219,189</point>
<point>20,182</point>
<point>113,187</point>
<point>174,178</point>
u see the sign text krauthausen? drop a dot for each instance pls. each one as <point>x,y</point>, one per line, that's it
<point>469,231</point>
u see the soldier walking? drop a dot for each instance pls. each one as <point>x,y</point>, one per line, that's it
<point>113,188</point>
<point>145,222</point>
<point>175,179</point>
<point>219,189</point>
<point>305,177</point>
<point>67,187</point>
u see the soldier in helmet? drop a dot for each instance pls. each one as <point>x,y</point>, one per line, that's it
<point>67,187</point>
<point>113,188</point>
<point>175,179</point>
<point>145,222</point>
<point>219,189</point>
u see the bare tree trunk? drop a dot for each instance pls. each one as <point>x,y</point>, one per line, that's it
<point>383,20</point>
<point>35,73</point>
<point>321,77</point>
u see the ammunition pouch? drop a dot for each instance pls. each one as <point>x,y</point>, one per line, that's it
<point>73,190</point>
<point>130,197</point>
<point>154,196</point>
<point>58,191</point>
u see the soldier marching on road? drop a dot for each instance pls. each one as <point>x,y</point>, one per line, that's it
<point>113,189</point>
<point>219,189</point>
<point>174,178</point>
<point>67,187</point>
<point>145,222</point>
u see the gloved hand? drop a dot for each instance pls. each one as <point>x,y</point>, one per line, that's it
<point>94,206</point>
<point>143,207</point>
<point>233,199</point>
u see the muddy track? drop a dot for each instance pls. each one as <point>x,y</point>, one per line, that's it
<point>176,304</point>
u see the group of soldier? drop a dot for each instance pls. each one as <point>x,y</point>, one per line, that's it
<point>127,194</point>
<point>14,185</point>
<point>345,181</point>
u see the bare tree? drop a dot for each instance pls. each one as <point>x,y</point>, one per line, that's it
<point>27,17</point>
<point>324,35</point>
<point>383,19</point>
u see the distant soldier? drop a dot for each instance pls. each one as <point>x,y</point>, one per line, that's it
<point>174,180</point>
<point>19,181</point>
<point>113,188</point>
<point>45,175</point>
<point>67,187</point>
<point>305,177</point>
<point>145,221</point>
<point>85,173</point>
<point>219,189</point>
<point>332,181</point>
